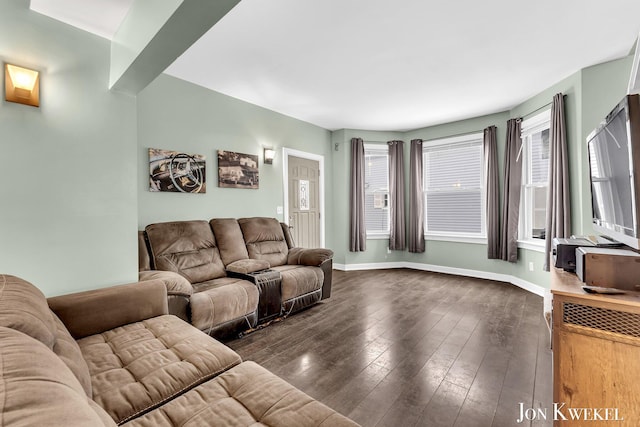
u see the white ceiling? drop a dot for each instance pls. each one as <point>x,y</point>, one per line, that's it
<point>101,17</point>
<point>387,65</point>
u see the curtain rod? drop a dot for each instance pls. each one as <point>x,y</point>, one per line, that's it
<point>432,139</point>
<point>481,130</point>
<point>540,108</point>
<point>457,134</point>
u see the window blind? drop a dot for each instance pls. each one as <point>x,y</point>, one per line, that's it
<point>376,190</point>
<point>539,149</point>
<point>453,184</point>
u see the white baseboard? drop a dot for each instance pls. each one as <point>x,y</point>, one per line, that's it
<point>370,266</point>
<point>521,283</point>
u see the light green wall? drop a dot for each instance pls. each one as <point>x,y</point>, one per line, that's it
<point>572,88</point>
<point>69,211</point>
<point>603,87</point>
<point>76,184</point>
<point>176,115</point>
<point>453,254</point>
<point>473,256</point>
<point>376,249</point>
<point>590,95</point>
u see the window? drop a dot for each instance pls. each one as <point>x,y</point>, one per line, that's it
<point>376,189</point>
<point>535,177</point>
<point>454,195</point>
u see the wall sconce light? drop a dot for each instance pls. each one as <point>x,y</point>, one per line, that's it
<point>21,85</point>
<point>269,154</point>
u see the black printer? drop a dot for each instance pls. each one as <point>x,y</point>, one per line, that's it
<point>564,252</point>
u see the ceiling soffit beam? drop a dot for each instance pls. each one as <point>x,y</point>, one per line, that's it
<point>154,34</point>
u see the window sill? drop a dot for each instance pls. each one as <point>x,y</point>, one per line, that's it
<point>377,236</point>
<point>457,239</point>
<point>532,245</point>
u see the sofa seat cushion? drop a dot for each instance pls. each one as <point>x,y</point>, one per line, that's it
<point>299,280</point>
<point>246,395</point>
<point>38,389</point>
<point>137,367</point>
<point>223,300</point>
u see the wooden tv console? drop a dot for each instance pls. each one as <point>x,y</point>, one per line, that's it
<point>596,355</point>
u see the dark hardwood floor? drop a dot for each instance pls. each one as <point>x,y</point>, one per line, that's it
<point>410,348</point>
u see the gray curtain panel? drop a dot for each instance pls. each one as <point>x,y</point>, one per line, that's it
<point>396,196</point>
<point>416,199</point>
<point>511,198</point>
<point>357,226</point>
<point>492,192</point>
<point>558,222</point>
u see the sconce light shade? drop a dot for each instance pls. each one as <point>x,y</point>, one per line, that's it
<point>21,85</point>
<point>269,154</point>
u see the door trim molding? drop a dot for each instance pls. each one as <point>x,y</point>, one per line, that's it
<point>286,152</point>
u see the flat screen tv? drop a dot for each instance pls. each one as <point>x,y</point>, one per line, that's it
<point>614,165</point>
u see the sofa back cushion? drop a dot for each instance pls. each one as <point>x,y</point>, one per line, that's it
<point>23,307</point>
<point>286,230</point>
<point>186,247</point>
<point>144,261</point>
<point>38,389</point>
<point>265,240</point>
<point>229,238</point>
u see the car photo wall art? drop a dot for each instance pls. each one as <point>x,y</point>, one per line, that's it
<point>237,170</point>
<point>176,172</point>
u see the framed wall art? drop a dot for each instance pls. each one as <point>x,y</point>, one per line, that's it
<point>237,170</point>
<point>176,172</point>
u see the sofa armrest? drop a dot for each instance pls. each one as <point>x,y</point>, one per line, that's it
<point>93,312</point>
<point>246,266</point>
<point>175,283</point>
<point>313,257</point>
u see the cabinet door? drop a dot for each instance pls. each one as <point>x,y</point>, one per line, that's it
<point>596,365</point>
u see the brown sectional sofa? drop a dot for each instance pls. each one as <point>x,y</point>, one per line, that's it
<point>227,275</point>
<point>114,356</point>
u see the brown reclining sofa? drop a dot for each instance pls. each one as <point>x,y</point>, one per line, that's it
<point>228,275</point>
<point>114,356</point>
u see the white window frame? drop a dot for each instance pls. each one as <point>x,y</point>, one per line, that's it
<point>477,238</point>
<point>529,127</point>
<point>379,149</point>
